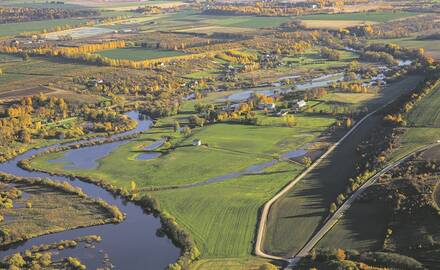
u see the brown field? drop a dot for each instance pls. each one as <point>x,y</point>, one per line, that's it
<point>332,25</point>
<point>365,7</point>
<point>15,94</point>
<point>216,29</point>
<point>69,96</point>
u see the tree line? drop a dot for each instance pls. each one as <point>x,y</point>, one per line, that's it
<point>25,14</point>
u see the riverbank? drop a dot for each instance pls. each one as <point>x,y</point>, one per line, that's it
<point>46,207</point>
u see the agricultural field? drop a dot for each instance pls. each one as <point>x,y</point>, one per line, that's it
<point>138,53</point>
<point>426,113</point>
<point>422,128</point>
<point>30,77</point>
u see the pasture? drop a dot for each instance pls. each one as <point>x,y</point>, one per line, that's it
<point>139,53</point>
<point>238,147</point>
<point>222,217</point>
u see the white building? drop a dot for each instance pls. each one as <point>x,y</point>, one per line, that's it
<point>197,142</point>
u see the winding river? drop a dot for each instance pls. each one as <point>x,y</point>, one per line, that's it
<point>132,244</point>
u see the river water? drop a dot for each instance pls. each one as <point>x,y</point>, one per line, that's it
<point>132,244</point>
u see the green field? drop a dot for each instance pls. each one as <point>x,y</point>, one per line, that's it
<point>427,112</point>
<point>312,59</point>
<point>361,16</point>
<point>11,29</point>
<point>138,53</point>
<point>222,217</point>
<point>237,146</point>
<point>186,20</point>
<point>423,125</point>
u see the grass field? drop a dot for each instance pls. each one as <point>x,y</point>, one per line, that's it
<point>427,112</point>
<point>423,125</point>
<point>186,21</point>
<point>11,29</point>
<point>362,16</point>
<point>138,53</point>
<point>236,146</point>
<point>51,211</point>
<point>222,217</point>
<point>311,59</point>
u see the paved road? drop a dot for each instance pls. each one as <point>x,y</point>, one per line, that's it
<point>328,225</point>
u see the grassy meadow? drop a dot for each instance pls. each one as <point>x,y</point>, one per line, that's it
<point>222,216</point>
<point>236,146</point>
